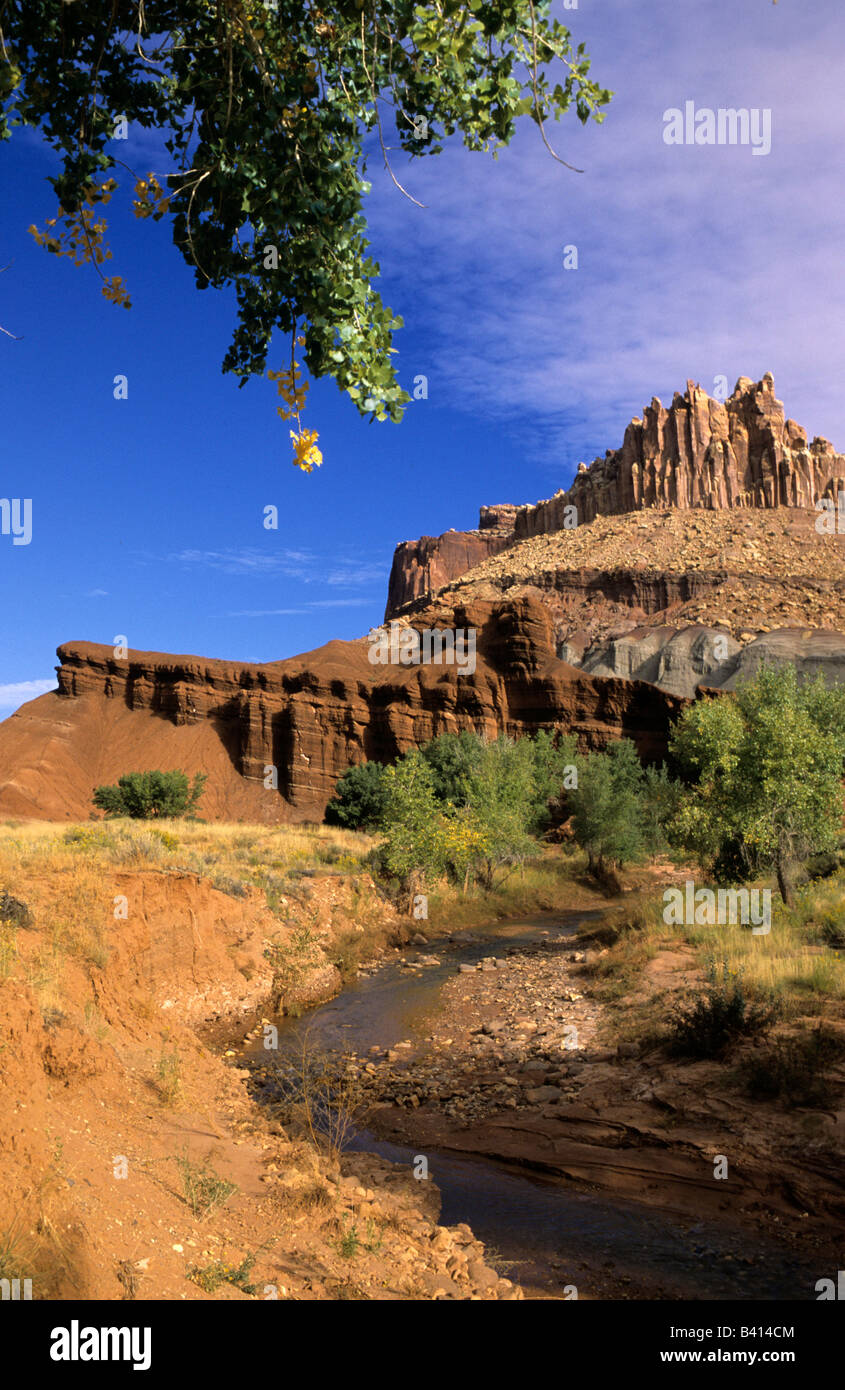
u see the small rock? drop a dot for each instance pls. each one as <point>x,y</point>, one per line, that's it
<point>538,1094</point>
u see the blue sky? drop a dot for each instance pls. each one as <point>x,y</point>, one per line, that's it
<point>693,262</point>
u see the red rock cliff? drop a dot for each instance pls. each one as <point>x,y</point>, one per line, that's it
<point>309,717</point>
<point>701,452</point>
<point>698,453</point>
<point>419,567</point>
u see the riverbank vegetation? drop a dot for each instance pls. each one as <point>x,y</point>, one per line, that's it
<point>754,787</point>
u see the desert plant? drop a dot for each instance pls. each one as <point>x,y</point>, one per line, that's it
<point>233,887</point>
<point>210,1277</point>
<point>203,1189</point>
<point>143,795</point>
<point>316,1091</point>
<point>169,1076</point>
<point>348,1241</point>
<point>710,1023</point>
<point>292,960</point>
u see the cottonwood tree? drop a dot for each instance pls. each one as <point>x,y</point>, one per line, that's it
<point>767,764</point>
<point>268,111</point>
<point>608,807</point>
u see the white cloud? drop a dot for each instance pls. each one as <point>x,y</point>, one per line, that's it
<point>693,261</point>
<point>18,692</point>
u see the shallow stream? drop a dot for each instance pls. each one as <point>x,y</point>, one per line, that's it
<point>548,1234</point>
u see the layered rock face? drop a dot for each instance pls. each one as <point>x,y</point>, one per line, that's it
<point>308,718</point>
<point>419,567</point>
<point>683,660</point>
<point>698,453</point>
<point>701,452</point>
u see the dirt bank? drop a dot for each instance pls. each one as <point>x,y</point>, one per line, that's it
<point>135,1164</point>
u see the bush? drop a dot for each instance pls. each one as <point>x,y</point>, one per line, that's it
<point>87,837</point>
<point>13,911</point>
<point>235,887</point>
<point>360,798</point>
<point>144,795</point>
<point>140,846</point>
<point>292,960</point>
<point>822,866</point>
<point>210,1277</point>
<point>203,1189</point>
<point>715,1020</point>
<point>793,1070</point>
<point>832,927</point>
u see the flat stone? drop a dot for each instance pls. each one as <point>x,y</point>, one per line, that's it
<point>538,1094</point>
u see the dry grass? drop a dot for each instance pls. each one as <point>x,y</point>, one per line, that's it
<point>797,966</point>
<point>542,884</point>
<point>231,849</point>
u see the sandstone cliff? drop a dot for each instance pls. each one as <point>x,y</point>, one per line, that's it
<point>700,453</point>
<point>419,567</point>
<point>682,534</point>
<point>309,717</point>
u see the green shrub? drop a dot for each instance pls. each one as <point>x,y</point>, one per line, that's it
<point>210,1277</point>
<point>203,1189</point>
<point>144,795</point>
<point>711,1023</point>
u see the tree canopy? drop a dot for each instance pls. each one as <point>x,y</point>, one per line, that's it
<point>144,795</point>
<point>768,767</point>
<point>268,112</point>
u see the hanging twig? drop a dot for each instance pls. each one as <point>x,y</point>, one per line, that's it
<point>538,117</point>
<point>14,336</point>
<point>375,98</point>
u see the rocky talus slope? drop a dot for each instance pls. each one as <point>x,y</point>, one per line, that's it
<point>680,598</point>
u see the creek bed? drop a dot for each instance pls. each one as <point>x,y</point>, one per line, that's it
<point>548,1234</point>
